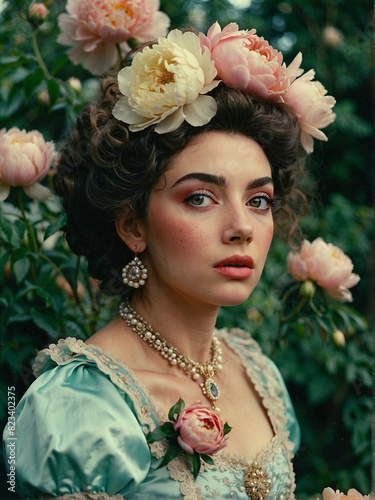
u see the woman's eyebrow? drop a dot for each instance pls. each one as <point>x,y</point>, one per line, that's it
<point>219,180</point>
<point>257,183</point>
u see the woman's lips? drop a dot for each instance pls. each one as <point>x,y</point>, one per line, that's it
<point>236,266</point>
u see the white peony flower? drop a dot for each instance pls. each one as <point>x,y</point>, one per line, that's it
<point>166,83</point>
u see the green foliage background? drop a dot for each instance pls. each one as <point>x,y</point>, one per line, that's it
<point>331,388</point>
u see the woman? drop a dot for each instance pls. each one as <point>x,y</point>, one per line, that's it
<point>171,187</point>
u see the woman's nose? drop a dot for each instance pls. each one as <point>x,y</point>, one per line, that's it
<point>238,228</point>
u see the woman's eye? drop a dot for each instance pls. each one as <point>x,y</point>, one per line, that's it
<point>260,202</point>
<point>199,200</point>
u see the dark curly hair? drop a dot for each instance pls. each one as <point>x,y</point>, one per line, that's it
<point>106,171</point>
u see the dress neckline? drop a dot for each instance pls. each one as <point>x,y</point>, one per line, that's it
<point>275,412</point>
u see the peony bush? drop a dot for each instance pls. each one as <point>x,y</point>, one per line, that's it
<point>323,344</point>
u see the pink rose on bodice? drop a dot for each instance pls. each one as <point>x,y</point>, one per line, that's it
<point>200,430</point>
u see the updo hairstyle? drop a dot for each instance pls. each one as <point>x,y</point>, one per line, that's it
<point>105,171</point>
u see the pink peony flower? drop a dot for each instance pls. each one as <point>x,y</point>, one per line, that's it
<point>25,158</point>
<point>93,28</point>
<point>330,494</point>
<point>200,429</point>
<point>247,61</point>
<point>312,106</point>
<point>325,264</point>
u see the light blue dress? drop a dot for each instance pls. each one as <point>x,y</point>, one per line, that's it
<point>82,426</point>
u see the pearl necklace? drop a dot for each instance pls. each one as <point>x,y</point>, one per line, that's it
<point>145,331</point>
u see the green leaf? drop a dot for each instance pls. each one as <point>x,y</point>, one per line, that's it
<point>207,459</point>
<point>156,435</point>
<point>172,452</point>
<point>227,428</point>
<point>31,81</point>
<point>161,432</point>
<point>176,410</point>
<point>43,295</point>
<point>17,254</point>
<point>55,226</point>
<point>196,463</point>
<point>46,320</point>
<point>18,232</point>
<point>168,429</point>
<point>53,91</point>
<point>20,269</point>
<point>6,229</point>
<point>59,64</point>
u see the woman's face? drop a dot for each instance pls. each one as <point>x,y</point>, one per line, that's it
<point>209,225</point>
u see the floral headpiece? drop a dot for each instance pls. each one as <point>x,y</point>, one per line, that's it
<point>169,82</point>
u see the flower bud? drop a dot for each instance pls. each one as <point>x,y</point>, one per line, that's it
<point>75,84</point>
<point>254,315</point>
<point>307,289</point>
<point>338,339</point>
<point>350,331</point>
<point>7,270</point>
<point>332,36</point>
<point>37,13</point>
<point>43,97</point>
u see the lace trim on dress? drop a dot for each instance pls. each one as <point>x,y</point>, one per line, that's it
<point>84,495</point>
<point>257,369</point>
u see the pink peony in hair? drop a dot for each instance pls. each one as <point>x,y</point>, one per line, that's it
<point>312,107</point>
<point>248,62</point>
<point>92,28</point>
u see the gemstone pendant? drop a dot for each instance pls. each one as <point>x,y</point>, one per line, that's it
<point>212,391</point>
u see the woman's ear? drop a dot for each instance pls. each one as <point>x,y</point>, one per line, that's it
<point>131,231</point>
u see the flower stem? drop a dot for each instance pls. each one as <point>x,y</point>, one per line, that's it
<point>38,54</point>
<point>284,319</point>
<point>119,54</point>
<point>30,232</point>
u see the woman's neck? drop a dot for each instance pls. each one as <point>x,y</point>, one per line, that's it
<point>186,325</point>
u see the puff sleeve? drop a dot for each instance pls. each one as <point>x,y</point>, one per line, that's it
<point>77,432</point>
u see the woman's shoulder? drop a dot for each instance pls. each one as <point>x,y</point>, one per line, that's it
<point>87,368</point>
<point>80,402</point>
